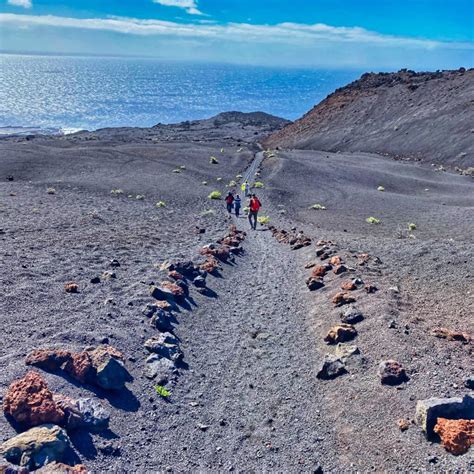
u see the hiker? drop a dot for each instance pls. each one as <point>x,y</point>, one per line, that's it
<point>245,188</point>
<point>237,204</point>
<point>229,200</point>
<point>254,207</point>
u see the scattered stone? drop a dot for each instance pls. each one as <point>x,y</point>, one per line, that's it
<point>111,373</point>
<point>79,366</point>
<point>429,410</point>
<point>161,320</point>
<point>343,298</point>
<point>159,368</point>
<point>310,265</point>
<point>348,286</point>
<point>108,275</point>
<point>344,351</point>
<point>391,372</point>
<point>314,283</point>
<point>114,263</point>
<point>30,402</point>
<point>331,368</point>
<point>403,424</point>
<point>351,315</point>
<point>71,287</point>
<point>444,333</point>
<point>340,333</point>
<point>392,324</point>
<point>336,260</point>
<point>48,359</point>
<point>165,345</point>
<point>37,446</point>
<point>320,271</point>
<point>211,265</point>
<point>221,252</point>
<point>161,293</point>
<point>176,290</point>
<point>340,269</point>
<point>175,275</point>
<point>469,382</point>
<point>60,468</point>
<point>202,426</point>
<point>164,305</point>
<point>371,289</point>
<point>95,280</point>
<point>456,435</point>
<point>199,282</point>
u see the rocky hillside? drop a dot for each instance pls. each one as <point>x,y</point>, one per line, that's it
<point>426,116</point>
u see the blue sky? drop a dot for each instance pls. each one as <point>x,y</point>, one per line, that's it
<point>384,34</point>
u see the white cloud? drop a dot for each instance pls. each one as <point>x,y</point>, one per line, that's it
<point>190,6</point>
<point>282,33</point>
<point>20,3</point>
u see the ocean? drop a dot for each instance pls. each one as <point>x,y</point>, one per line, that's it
<point>62,94</point>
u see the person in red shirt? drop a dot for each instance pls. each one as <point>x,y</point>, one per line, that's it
<point>254,207</point>
<point>229,201</point>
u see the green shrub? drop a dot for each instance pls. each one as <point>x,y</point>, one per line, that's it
<point>372,220</point>
<point>160,204</point>
<point>258,184</point>
<point>116,192</point>
<point>263,220</point>
<point>213,160</point>
<point>246,210</point>
<point>411,226</point>
<point>161,391</point>
<point>51,191</point>
<point>318,207</point>
<point>381,188</point>
<point>215,195</point>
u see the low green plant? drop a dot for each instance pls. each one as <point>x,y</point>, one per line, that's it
<point>246,210</point>
<point>263,220</point>
<point>215,195</point>
<point>372,220</point>
<point>116,192</point>
<point>160,204</point>
<point>258,184</point>
<point>162,391</point>
<point>318,207</point>
<point>213,160</point>
<point>411,226</point>
<point>381,188</point>
<point>51,191</point>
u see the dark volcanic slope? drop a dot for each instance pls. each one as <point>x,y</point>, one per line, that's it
<point>426,116</point>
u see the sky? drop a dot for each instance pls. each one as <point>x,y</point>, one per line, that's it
<point>342,34</point>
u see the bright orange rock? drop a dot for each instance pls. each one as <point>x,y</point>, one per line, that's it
<point>336,260</point>
<point>71,287</point>
<point>342,298</point>
<point>320,270</point>
<point>349,286</point>
<point>456,435</point>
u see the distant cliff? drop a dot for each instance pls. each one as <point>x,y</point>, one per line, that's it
<point>427,116</point>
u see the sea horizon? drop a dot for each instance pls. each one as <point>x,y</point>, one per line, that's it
<point>56,94</point>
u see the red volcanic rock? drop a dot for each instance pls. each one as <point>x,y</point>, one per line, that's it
<point>79,366</point>
<point>340,333</point>
<point>391,372</point>
<point>456,435</point>
<point>210,265</point>
<point>320,270</point>
<point>403,424</point>
<point>175,275</point>
<point>336,260</point>
<point>60,468</point>
<point>71,287</point>
<point>30,402</point>
<point>349,286</point>
<point>173,287</point>
<point>48,359</point>
<point>363,258</point>
<point>230,241</point>
<point>342,298</point>
<point>444,333</point>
